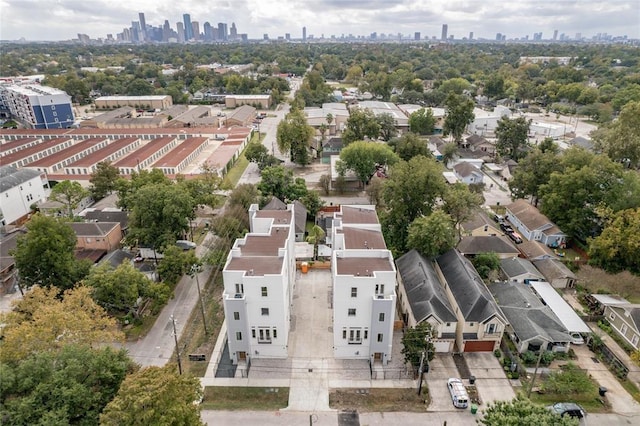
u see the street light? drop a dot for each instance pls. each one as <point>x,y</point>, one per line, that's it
<point>195,269</point>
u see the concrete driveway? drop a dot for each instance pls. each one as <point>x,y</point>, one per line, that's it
<point>441,368</point>
<point>491,382</point>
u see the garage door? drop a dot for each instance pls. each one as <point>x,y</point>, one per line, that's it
<point>442,345</point>
<point>478,346</point>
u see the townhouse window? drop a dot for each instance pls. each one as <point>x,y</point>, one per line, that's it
<point>253,333</point>
<point>624,329</point>
<point>448,324</point>
<point>265,311</point>
<point>264,291</point>
<point>379,289</point>
<point>634,340</point>
<point>344,333</point>
<point>264,335</point>
<point>366,334</point>
<point>491,328</point>
<point>355,336</point>
<point>381,316</point>
<point>238,335</point>
<point>611,316</point>
<point>352,312</point>
<point>471,324</point>
<point>275,333</point>
<point>239,288</point>
<point>236,316</point>
<point>354,291</point>
<point>380,337</point>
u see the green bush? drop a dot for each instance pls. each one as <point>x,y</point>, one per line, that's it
<point>497,353</point>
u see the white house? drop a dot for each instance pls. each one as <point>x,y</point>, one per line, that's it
<point>19,189</point>
<point>258,286</point>
<point>364,281</point>
<point>533,225</point>
<point>467,173</point>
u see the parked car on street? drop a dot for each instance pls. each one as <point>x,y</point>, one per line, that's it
<point>570,409</point>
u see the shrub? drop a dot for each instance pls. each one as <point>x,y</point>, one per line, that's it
<point>497,353</point>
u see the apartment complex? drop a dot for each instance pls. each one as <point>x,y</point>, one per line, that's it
<point>38,107</point>
<point>364,281</point>
<point>258,286</point>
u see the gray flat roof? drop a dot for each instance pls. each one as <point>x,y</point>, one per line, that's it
<point>565,313</point>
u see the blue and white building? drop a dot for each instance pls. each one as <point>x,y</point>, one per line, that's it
<point>38,107</point>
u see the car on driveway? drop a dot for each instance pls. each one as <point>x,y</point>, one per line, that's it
<point>459,395</point>
<point>576,339</point>
<point>515,237</point>
<point>570,409</point>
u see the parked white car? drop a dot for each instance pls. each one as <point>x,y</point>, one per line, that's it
<point>459,395</point>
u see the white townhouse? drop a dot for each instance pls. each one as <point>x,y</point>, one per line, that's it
<point>258,286</point>
<point>364,282</point>
<point>19,189</point>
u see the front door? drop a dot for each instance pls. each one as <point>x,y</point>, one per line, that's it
<point>377,356</point>
<point>242,356</point>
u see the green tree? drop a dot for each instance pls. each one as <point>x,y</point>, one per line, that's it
<point>69,386</point>
<point>312,201</point>
<point>455,85</point>
<point>532,172</point>
<point>160,214</point>
<point>494,87</point>
<point>461,204</point>
<point>432,235</point>
<point>203,188</point>
<point>513,137</point>
<point>485,263</point>
<point>387,126</point>
<point>139,87</point>
<point>522,412</point>
<point>155,396</point>
<point>374,191</point>
<point>362,158</point>
<point>409,145</point>
<point>570,381</point>
<point>44,255</point>
<point>459,114</point>
<point>617,248</point>
<point>103,180</point>
<point>422,121</point>
<point>42,322</point>
<point>127,188</point>
<point>244,195</point>
<point>174,264</point>
<point>449,153</point>
<point>411,190</point>
<point>626,95</point>
<point>70,194</point>
<point>361,124</point>
<point>294,135</point>
<point>276,181</point>
<point>416,342</point>
<point>621,139</point>
<point>316,234</point>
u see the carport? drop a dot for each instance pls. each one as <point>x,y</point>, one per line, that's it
<point>565,313</point>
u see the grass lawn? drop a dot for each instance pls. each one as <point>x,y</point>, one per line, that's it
<point>630,387</point>
<point>233,176</point>
<point>379,399</point>
<point>244,398</point>
<point>138,330</point>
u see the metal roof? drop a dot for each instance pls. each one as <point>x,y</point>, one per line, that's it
<point>565,313</point>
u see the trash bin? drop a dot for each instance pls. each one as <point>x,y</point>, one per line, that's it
<point>304,267</point>
<point>472,380</point>
<point>602,390</point>
<point>474,408</point>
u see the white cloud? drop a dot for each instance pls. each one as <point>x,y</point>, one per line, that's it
<point>64,19</point>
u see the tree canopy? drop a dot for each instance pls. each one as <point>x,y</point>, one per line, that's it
<point>361,124</point>
<point>409,145</point>
<point>432,235</point>
<point>621,139</point>
<point>103,180</point>
<point>422,121</point>
<point>459,114</point>
<point>294,135</point>
<point>513,137</point>
<point>617,248</point>
<point>415,342</point>
<point>69,193</point>
<point>522,412</point>
<point>363,157</point>
<point>45,254</point>
<point>155,396</point>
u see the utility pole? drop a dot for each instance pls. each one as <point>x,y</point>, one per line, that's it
<point>535,372</point>
<point>195,269</point>
<point>420,373</point>
<point>175,337</point>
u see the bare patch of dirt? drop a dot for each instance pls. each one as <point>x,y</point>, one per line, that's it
<point>379,399</point>
<point>596,280</point>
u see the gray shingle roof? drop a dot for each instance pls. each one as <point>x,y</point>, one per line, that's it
<point>425,294</point>
<point>553,269</point>
<point>10,177</point>
<point>300,220</point>
<point>516,266</point>
<point>92,229</point>
<point>275,204</point>
<point>472,296</point>
<point>465,169</point>
<point>479,220</point>
<point>528,316</point>
<point>108,216</point>
<point>486,244</point>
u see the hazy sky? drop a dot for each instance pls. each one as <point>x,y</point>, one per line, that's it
<point>64,19</point>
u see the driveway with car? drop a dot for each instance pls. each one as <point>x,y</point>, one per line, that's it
<point>441,368</point>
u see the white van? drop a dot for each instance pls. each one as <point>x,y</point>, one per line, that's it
<point>458,392</point>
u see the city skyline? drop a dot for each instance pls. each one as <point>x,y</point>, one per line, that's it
<point>517,19</point>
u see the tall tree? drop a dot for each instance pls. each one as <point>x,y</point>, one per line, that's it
<point>70,194</point>
<point>69,386</point>
<point>621,139</point>
<point>459,114</point>
<point>362,158</point>
<point>416,342</point>
<point>461,204</point>
<point>44,255</point>
<point>43,322</point>
<point>422,121</point>
<point>276,181</point>
<point>295,135</point>
<point>449,153</point>
<point>532,172</point>
<point>432,235</point>
<point>204,187</point>
<point>155,396</point>
<point>361,123</point>
<point>103,180</point>
<point>617,248</point>
<point>521,412</point>
<point>244,195</point>
<point>316,234</point>
<point>411,190</point>
<point>387,126</point>
<point>409,145</point>
<point>513,137</point>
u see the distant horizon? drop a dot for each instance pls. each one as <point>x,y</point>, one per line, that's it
<point>38,21</point>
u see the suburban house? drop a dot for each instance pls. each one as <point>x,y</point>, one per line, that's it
<point>623,316</point>
<point>480,225</point>
<point>421,297</point>
<point>477,143</point>
<point>501,246</point>
<point>535,250</point>
<point>107,215</point>
<point>467,173</point>
<point>258,281</point>
<point>532,324</point>
<point>364,287</point>
<point>331,147</point>
<point>556,273</point>
<point>480,321</point>
<point>533,225</point>
<point>19,189</point>
<point>300,219</point>
<point>103,236</point>
<point>519,270</point>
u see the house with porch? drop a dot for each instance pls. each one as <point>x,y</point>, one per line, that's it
<point>623,316</point>
<point>533,225</point>
<point>556,273</point>
<point>519,270</point>
<point>467,173</point>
